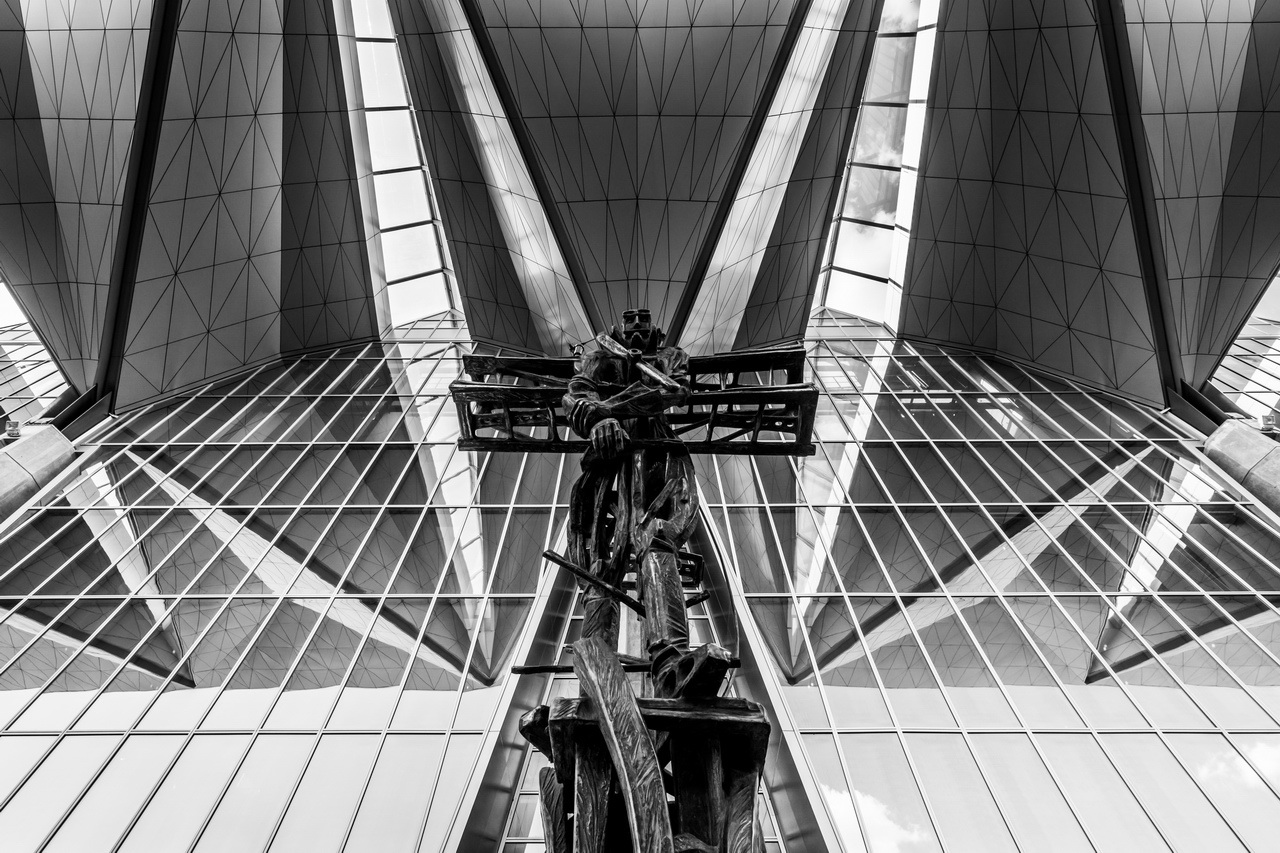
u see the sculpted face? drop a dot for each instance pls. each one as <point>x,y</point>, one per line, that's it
<point>638,332</point>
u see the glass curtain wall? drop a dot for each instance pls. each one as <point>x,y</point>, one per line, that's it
<point>996,610</point>
<point>1250,373</point>
<point>278,613</point>
<point>29,380</point>
<point>1008,613</point>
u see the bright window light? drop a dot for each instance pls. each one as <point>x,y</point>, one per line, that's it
<point>402,198</point>
<point>418,297</point>
<point>392,144</point>
<point>380,79</point>
<point>409,251</point>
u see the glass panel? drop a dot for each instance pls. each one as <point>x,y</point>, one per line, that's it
<point>410,251</point>
<point>973,691</point>
<point>858,295</point>
<point>1171,798</point>
<point>1030,800</point>
<point>390,815</point>
<point>17,756</point>
<point>893,813</point>
<point>111,803</point>
<point>373,21</point>
<point>1026,677</point>
<point>871,194</point>
<point>899,16</point>
<point>912,689</point>
<point>878,136</point>
<point>392,143</point>
<point>458,765</point>
<point>1103,803</point>
<point>251,691</point>
<point>258,794</point>
<point>182,802</point>
<point>326,799</point>
<point>863,248</point>
<point>380,80</point>
<point>967,817</point>
<point>1240,794</point>
<point>402,198</point>
<point>418,297</point>
<point>835,790</point>
<point>891,63</point>
<point>41,802</point>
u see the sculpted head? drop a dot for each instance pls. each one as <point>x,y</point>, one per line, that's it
<point>637,331</point>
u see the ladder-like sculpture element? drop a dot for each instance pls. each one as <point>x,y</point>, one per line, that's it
<point>676,769</point>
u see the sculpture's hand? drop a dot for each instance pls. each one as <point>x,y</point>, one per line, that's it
<point>608,438</point>
<point>676,397</point>
<point>582,415</point>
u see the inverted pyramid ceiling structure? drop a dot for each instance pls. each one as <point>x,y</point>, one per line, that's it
<point>185,187</point>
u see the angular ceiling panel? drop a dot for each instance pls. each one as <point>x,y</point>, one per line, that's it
<point>764,263</point>
<point>1025,241</point>
<point>68,98</point>
<point>254,243</point>
<point>514,279</point>
<point>654,118</point>
<point>1207,81</point>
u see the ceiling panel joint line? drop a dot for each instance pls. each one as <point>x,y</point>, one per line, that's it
<point>795,25</point>
<point>1122,85</point>
<point>510,106</point>
<point>149,121</point>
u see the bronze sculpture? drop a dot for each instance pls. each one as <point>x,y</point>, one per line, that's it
<point>620,392</point>
<point>640,408</point>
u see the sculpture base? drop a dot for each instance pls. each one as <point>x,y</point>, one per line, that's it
<point>712,752</point>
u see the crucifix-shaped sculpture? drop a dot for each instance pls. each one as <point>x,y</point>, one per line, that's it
<point>678,767</point>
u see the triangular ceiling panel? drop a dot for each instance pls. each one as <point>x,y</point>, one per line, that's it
<point>1024,112</point>
<point>1207,92</point>
<point>515,284</point>
<point>68,97</point>
<point>762,267</point>
<point>254,244</point>
<point>650,148</point>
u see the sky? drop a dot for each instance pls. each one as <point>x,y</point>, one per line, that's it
<point>10,313</point>
<point>1269,307</point>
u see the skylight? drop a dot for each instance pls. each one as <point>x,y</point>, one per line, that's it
<point>865,267</point>
<point>415,263</point>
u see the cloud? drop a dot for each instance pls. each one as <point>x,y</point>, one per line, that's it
<point>886,832</point>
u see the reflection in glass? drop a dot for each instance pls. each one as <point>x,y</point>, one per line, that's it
<point>189,791</point>
<point>889,803</point>
<point>1103,803</point>
<point>1171,797</point>
<point>41,802</point>
<point>326,798</point>
<point>1029,799</point>
<point>1237,791</point>
<point>115,797</point>
<point>890,74</point>
<point>871,194</point>
<point>835,790</point>
<point>257,795</point>
<point>967,817</point>
<point>878,137</point>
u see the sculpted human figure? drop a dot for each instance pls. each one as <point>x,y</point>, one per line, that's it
<point>685,762</point>
<point>633,508</point>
